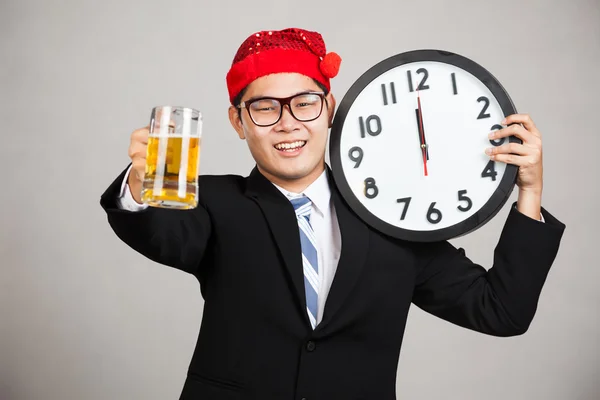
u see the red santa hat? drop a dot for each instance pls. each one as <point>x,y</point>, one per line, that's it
<point>289,50</point>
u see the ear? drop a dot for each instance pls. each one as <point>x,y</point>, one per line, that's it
<point>236,121</point>
<point>330,107</point>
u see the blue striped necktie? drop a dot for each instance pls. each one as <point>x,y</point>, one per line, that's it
<point>310,258</point>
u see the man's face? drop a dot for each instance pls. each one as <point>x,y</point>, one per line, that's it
<point>268,144</point>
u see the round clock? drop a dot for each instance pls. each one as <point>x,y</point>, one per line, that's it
<point>408,142</point>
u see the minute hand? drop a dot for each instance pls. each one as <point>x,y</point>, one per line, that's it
<point>422,140</point>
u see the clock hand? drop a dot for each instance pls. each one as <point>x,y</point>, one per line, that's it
<point>422,139</point>
<point>424,150</point>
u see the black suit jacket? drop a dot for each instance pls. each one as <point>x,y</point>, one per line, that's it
<point>255,339</point>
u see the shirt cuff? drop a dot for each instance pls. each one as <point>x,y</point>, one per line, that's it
<point>541,215</point>
<point>125,201</point>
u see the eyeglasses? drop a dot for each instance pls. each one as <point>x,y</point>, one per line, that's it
<point>267,111</point>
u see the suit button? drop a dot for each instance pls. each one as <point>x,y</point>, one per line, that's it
<point>311,346</point>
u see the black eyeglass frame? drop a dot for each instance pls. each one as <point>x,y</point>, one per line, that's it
<point>283,101</point>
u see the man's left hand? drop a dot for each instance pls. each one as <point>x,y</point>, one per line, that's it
<point>527,155</point>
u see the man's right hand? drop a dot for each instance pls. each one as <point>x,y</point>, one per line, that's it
<point>137,153</point>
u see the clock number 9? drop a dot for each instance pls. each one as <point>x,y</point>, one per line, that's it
<point>356,159</point>
<point>434,212</point>
<point>371,186</point>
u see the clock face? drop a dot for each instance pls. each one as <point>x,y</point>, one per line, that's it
<point>408,142</point>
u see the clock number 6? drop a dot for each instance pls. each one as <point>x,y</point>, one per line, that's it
<point>356,159</point>
<point>462,197</point>
<point>371,189</point>
<point>434,212</point>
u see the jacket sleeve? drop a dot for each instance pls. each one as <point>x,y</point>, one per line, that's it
<point>501,301</point>
<point>177,238</point>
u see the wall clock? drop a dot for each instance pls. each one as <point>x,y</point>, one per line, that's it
<point>407,146</point>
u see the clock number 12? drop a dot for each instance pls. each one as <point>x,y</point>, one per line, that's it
<point>422,85</point>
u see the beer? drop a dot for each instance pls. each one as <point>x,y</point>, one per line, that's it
<point>171,177</point>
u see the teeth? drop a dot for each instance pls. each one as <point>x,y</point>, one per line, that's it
<point>290,146</point>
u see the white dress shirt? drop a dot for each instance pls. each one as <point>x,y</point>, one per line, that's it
<point>125,201</point>
<point>323,220</point>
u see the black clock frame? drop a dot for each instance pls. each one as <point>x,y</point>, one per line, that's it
<point>477,220</point>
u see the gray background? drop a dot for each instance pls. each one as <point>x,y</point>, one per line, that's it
<point>82,316</point>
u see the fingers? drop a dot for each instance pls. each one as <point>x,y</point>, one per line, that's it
<point>517,154</point>
<point>521,161</point>
<point>514,148</point>
<point>516,130</point>
<point>141,135</point>
<point>524,119</point>
<point>138,165</point>
<point>137,151</point>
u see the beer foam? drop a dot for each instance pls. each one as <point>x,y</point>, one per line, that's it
<point>173,135</point>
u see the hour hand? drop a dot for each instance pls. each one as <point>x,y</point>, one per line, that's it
<point>422,139</point>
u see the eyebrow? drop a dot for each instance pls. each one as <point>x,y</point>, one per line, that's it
<point>273,97</point>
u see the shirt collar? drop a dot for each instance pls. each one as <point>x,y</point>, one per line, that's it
<point>318,192</point>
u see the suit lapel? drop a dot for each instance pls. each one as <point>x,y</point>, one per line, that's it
<point>355,244</point>
<point>281,218</point>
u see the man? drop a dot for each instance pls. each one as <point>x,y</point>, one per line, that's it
<point>302,299</point>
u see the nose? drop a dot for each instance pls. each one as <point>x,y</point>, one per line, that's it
<point>287,122</point>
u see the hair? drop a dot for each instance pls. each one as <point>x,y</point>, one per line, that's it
<point>238,99</point>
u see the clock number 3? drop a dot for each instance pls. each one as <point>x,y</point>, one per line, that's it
<point>497,142</point>
<point>490,169</point>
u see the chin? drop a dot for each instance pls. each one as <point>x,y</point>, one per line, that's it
<point>291,172</point>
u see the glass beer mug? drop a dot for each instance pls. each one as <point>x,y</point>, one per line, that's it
<point>173,158</point>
